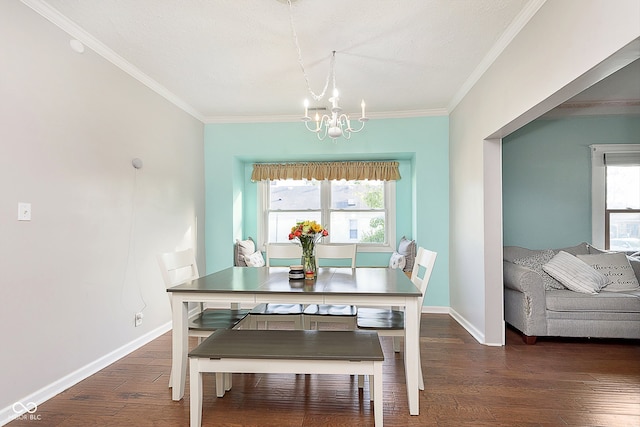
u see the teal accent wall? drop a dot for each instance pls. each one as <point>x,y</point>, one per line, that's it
<point>546,175</point>
<point>421,145</point>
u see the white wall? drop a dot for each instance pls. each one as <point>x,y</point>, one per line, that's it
<point>563,49</point>
<point>73,277</point>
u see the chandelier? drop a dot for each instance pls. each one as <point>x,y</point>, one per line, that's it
<point>338,123</point>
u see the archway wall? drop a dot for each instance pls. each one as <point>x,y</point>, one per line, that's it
<point>564,48</point>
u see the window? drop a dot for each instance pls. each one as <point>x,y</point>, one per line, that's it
<point>353,229</point>
<point>616,197</point>
<point>355,211</point>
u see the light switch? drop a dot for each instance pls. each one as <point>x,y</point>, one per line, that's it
<point>24,211</point>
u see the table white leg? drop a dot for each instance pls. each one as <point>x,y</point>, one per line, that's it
<point>195,394</point>
<point>180,345</point>
<point>378,410</point>
<point>412,353</point>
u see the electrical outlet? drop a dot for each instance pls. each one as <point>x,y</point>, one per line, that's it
<point>138,319</point>
<point>24,211</point>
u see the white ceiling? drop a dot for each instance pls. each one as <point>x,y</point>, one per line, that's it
<point>235,60</point>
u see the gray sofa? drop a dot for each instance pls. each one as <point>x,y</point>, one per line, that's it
<point>536,310</point>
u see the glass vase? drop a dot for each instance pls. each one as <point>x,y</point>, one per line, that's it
<point>308,262</point>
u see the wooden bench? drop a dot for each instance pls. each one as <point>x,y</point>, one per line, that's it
<point>285,351</point>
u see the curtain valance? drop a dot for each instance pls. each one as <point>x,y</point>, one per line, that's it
<point>382,171</point>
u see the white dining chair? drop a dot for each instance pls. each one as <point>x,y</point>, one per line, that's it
<point>329,313</point>
<point>179,267</point>
<point>391,322</point>
<point>271,312</point>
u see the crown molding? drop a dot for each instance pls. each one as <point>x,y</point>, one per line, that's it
<point>436,112</point>
<point>71,28</point>
<point>507,37</point>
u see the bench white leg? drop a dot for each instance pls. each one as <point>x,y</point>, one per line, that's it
<point>195,393</point>
<point>220,384</point>
<point>228,381</point>
<point>378,410</point>
<point>360,381</point>
<point>372,390</point>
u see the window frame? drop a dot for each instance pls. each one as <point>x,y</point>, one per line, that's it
<point>325,212</point>
<point>599,220</point>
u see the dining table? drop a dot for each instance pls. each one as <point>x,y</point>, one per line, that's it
<point>248,286</point>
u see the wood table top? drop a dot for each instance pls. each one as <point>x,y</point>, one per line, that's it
<point>330,280</point>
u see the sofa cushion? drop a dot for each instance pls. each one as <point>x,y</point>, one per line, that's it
<point>594,250</point>
<point>510,253</point>
<point>615,266</point>
<point>575,274</point>
<point>614,302</point>
<point>535,261</point>
<point>579,249</point>
<point>635,265</point>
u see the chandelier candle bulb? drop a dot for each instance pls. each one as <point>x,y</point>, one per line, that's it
<point>306,108</point>
<point>362,105</point>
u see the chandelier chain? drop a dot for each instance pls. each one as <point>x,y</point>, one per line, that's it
<point>331,72</point>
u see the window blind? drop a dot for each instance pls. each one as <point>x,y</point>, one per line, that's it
<point>622,159</point>
<point>382,171</point>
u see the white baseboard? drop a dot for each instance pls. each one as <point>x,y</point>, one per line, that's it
<point>435,309</point>
<point>31,401</point>
<point>479,336</point>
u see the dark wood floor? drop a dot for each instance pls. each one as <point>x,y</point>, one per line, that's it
<point>553,383</point>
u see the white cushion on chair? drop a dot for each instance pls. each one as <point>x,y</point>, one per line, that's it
<point>407,248</point>
<point>243,248</point>
<point>397,261</point>
<point>255,259</point>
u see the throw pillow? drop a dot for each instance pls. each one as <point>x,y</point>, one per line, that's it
<point>580,248</point>
<point>407,248</point>
<point>594,250</point>
<point>243,248</point>
<point>535,262</point>
<point>255,259</point>
<point>575,274</point>
<point>617,269</point>
<point>397,261</point>
<point>635,264</point>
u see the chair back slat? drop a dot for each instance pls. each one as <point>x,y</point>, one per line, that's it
<point>422,269</point>
<point>283,251</point>
<point>337,252</point>
<point>178,267</point>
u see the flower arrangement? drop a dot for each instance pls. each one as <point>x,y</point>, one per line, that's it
<point>308,233</point>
